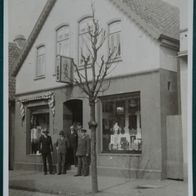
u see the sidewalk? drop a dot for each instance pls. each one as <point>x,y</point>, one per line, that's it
<point>68,185</point>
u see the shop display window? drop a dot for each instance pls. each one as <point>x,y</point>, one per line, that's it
<point>121,124</point>
<point>38,122</point>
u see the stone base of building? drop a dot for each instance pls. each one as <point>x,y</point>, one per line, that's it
<point>102,171</point>
<point>30,166</point>
<point>129,173</point>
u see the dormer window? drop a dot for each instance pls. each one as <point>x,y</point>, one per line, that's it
<point>41,61</point>
<point>62,44</point>
<point>114,40</point>
<point>85,26</point>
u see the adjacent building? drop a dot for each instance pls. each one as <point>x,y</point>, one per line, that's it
<point>183,77</point>
<point>15,49</point>
<point>132,134</point>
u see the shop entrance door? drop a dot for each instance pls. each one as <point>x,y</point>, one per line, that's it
<point>72,112</point>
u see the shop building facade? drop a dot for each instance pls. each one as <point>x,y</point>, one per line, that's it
<point>131,114</point>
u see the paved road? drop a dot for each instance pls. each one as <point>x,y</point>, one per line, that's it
<point>13,192</point>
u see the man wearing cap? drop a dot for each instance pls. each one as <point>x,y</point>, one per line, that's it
<point>45,147</point>
<point>83,153</point>
<point>62,145</point>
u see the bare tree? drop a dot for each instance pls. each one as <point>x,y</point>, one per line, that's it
<point>90,76</point>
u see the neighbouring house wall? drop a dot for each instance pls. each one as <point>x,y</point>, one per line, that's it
<point>184,95</point>
<point>168,59</point>
<point>11,133</point>
<point>169,106</point>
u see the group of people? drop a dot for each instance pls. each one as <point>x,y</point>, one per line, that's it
<point>74,146</point>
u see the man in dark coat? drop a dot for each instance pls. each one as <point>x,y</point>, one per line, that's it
<point>62,145</point>
<point>73,145</point>
<point>45,146</point>
<point>83,153</point>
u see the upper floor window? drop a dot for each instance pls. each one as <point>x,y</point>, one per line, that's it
<point>85,26</point>
<point>41,61</point>
<point>114,39</point>
<point>62,44</point>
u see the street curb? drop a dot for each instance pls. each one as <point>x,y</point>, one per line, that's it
<point>23,188</point>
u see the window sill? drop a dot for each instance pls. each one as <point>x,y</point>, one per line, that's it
<point>116,60</point>
<point>120,154</point>
<point>34,155</point>
<point>40,77</point>
<point>81,67</point>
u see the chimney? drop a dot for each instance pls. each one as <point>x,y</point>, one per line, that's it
<point>20,41</point>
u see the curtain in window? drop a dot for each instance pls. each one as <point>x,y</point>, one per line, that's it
<point>114,39</point>
<point>63,46</point>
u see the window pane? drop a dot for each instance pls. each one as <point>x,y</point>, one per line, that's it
<point>40,61</point>
<point>114,27</point>
<point>63,33</point>
<point>85,25</point>
<point>84,47</point>
<point>63,45</point>
<point>121,128</point>
<point>84,39</point>
<point>63,48</point>
<point>114,39</point>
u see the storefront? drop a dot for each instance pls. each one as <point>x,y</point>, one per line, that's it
<point>131,132</point>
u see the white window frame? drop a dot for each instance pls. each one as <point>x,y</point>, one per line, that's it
<point>84,21</point>
<point>65,39</point>
<point>120,97</point>
<point>115,33</point>
<point>40,71</point>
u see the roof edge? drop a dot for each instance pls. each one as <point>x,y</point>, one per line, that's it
<point>151,30</point>
<point>32,37</point>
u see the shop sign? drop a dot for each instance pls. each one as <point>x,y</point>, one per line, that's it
<point>64,69</point>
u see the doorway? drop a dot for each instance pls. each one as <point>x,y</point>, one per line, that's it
<point>72,112</point>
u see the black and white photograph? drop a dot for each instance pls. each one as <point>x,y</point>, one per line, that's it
<point>98,97</point>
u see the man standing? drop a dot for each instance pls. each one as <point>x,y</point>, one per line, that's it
<point>45,146</point>
<point>83,153</point>
<point>61,146</point>
<point>73,145</point>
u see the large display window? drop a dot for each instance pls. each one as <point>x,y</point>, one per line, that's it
<point>121,123</point>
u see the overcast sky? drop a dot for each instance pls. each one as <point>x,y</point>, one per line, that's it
<point>22,15</point>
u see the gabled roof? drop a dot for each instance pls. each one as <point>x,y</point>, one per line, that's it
<point>156,17</point>
<point>14,53</point>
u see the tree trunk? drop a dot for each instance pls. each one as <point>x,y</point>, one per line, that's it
<point>92,126</point>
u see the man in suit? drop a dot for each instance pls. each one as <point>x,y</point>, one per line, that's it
<point>83,153</point>
<point>46,148</point>
<point>62,145</point>
<point>73,144</point>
